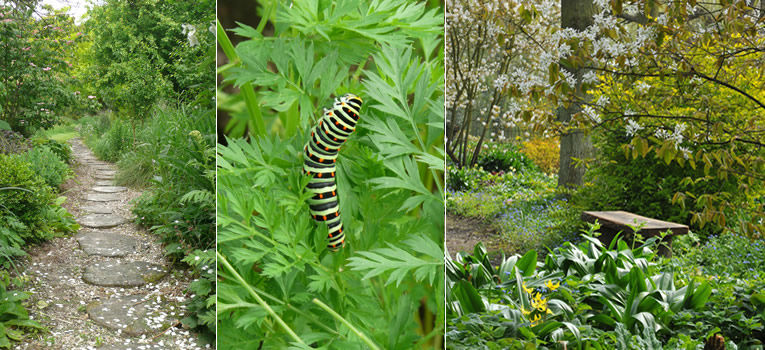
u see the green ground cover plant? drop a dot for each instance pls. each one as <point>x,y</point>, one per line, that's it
<point>280,286</point>
<point>517,200</point>
<point>48,164</point>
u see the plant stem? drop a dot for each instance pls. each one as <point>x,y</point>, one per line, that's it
<point>256,124</point>
<point>227,265</point>
<point>353,329</point>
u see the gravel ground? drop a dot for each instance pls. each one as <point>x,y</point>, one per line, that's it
<point>60,297</point>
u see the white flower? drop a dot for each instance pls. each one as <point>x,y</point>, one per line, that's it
<point>592,114</point>
<point>642,87</point>
<point>633,127</point>
<point>589,77</point>
<point>662,134</point>
<point>191,34</point>
<point>685,151</point>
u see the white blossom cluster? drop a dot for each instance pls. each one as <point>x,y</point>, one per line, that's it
<point>633,127</point>
<point>676,136</point>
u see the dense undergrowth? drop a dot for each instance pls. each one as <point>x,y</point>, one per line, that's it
<point>590,296</point>
<point>57,70</point>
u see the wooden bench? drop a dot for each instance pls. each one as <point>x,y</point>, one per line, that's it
<point>611,222</point>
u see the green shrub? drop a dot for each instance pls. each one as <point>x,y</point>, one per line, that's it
<point>504,157</point>
<point>644,186</point>
<point>61,149</point>
<point>463,179</point>
<point>47,164</point>
<point>25,196</point>
<point>13,315</point>
<point>91,127</point>
<point>115,142</point>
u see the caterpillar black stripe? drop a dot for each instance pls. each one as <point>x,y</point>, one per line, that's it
<point>319,161</point>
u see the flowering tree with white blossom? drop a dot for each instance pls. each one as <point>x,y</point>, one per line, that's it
<point>497,55</point>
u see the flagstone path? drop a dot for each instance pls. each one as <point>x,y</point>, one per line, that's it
<point>108,287</point>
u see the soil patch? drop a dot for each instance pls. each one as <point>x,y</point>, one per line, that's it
<point>462,234</point>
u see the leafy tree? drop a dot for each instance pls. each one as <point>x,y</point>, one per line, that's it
<point>34,66</point>
<point>157,54</point>
<point>679,80</point>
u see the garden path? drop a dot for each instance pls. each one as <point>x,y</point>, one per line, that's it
<point>462,234</point>
<point>109,286</point>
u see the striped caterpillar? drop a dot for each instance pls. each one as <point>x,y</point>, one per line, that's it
<point>319,161</point>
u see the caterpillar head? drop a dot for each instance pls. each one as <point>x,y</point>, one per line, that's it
<point>352,100</point>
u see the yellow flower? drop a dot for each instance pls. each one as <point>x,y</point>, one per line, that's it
<point>535,319</point>
<point>538,303</point>
<point>524,311</point>
<point>552,286</point>
<point>526,289</point>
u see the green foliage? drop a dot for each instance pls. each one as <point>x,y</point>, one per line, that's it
<point>25,196</point>
<point>314,45</point>
<point>34,70</point>
<point>505,157</point>
<point>201,308</point>
<point>13,316</point>
<point>274,263</point>
<point>154,43</point>
<point>647,186</point>
<point>176,146</point>
<point>92,127</point>
<point>578,294</point>
<point>115,142</point>
<point>60,148</point>
<point>48,165</point>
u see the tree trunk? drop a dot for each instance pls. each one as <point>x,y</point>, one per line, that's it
<point>574,143</point>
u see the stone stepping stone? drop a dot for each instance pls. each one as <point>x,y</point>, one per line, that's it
<point>123,274</point>
<point>106,172</point>
<point>106,243</point>
<point>103,177</point>
<point>101,220</point>
<point>104,183</point>
<point>135,315</point>
<point>135,346</point>
<point>109,189</point>
<point>103,197</point>
<point>96,209</point>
